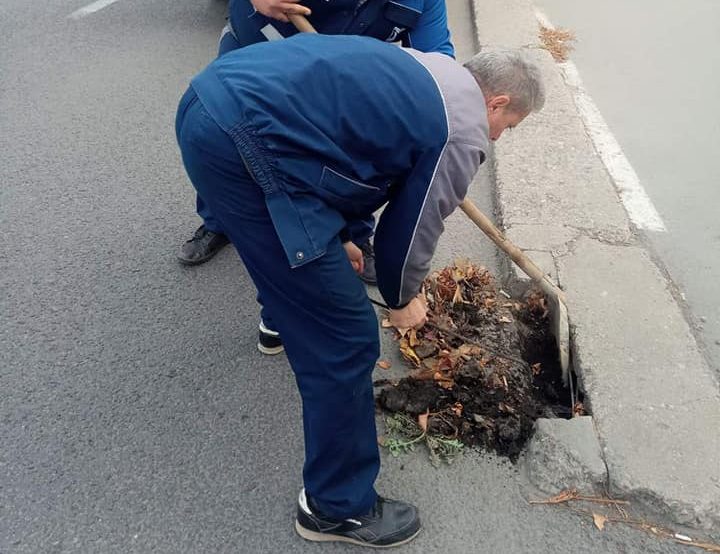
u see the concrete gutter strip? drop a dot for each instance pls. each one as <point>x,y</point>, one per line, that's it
<point>654,400</point>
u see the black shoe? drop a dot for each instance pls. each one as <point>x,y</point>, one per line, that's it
<point>368,274</point>
<point>203,246</point>
<point>269,342</point>
<point>389,523</point>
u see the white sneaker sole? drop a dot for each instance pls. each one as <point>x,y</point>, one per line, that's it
<point>271,351</point>
<point>314,536</point>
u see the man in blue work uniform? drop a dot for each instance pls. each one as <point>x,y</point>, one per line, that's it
<point>421,24</point>
<point>290,143</point>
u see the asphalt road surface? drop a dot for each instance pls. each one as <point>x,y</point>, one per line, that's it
<point>136,414</point>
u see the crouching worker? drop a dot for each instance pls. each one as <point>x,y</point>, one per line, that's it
<point>291,141</point>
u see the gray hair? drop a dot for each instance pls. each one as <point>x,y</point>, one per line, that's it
<point>505,71</point>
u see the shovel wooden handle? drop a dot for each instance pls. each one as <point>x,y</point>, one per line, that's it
<point>516,255</point>
<point>301,23</point>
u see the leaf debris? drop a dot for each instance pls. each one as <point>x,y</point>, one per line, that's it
<point>467,367</point>
<point>557,41</point>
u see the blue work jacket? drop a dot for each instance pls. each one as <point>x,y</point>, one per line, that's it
<point>419,24</point>
<point>334,127</point>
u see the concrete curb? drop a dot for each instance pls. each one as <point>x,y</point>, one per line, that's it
<point>654,400</point>
<point>565,454</point>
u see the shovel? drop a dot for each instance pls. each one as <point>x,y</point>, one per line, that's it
<point>556,298</point>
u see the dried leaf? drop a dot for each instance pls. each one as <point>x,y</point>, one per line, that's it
<point>381,440</point>
<point>408,353</point>
<point>471,350</point>
<point>505,319</point>
<point>385,324</point>
<point>503,407</point>
<point>446,363</point>
<point>536,368</point>
<point>462,263</point>
<point>564,496</point>
<point>412,338</point>
<point>457,297</point>
<point>557,42</point>
<point>384,364</point>
<point>489,303</point>
<point>423,421</point>
<point>599,520</point>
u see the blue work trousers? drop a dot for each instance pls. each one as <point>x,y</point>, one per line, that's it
<point>321,310</point>
<point>227,43</point>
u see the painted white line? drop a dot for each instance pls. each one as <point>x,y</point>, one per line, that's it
<point>91,8</point>
<point>637,203</point>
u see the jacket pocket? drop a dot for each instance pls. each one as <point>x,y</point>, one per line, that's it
<point>347,194</point>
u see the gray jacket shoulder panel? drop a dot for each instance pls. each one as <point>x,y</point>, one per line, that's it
<point>446,174</point>
<point>464,101</point>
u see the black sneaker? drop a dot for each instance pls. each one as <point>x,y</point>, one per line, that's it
<point>269,342</point>
<point>368,274</point>
<point>389,523</point>
<point>203,246</point>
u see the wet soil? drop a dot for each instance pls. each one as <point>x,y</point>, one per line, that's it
<point>484,369</point>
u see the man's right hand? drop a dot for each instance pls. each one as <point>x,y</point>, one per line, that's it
<point>278,8</point>
<point>414,315</point>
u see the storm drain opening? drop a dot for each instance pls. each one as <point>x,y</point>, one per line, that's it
<point>540,351</point>
<point>480,373</point>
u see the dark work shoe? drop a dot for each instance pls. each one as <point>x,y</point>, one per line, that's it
<point>389,523</point>
<point>269,341</point>
<point>203,246</point>
<point>368,274</point>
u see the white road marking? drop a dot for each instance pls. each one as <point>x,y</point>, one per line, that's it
<point>91,8</point>
<point>637,203</point>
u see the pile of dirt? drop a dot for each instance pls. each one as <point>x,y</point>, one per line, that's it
<point>484,368</point>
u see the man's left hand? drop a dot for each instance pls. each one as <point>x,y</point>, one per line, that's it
<point>355,256</point>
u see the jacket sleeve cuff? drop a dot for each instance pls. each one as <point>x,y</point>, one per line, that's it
<point>345,235</point>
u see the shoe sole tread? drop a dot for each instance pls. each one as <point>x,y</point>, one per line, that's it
<point>314,536</point>
<point>270,351</point>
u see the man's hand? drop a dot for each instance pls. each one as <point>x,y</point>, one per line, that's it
<point>278,8</point>
<point>414,315</point>
<point>355,256</point>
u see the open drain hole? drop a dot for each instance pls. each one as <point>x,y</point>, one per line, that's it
<point>539,347</point>
<point>486,383</point>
